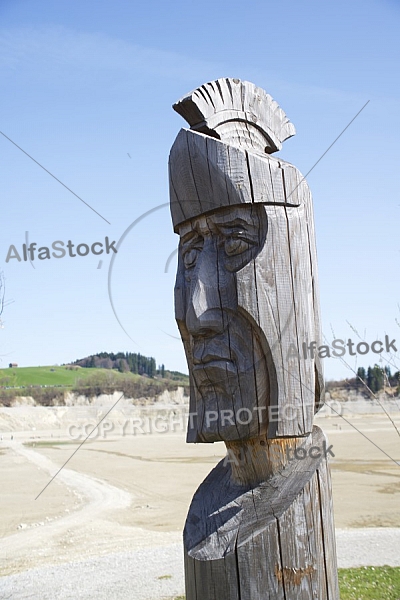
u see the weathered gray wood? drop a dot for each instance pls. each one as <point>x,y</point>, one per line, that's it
<point>287,258</point>
<point>214,579</point>
<point>257,579</point>
<point>328,537</point>
<point>280,518</point>
<point>235,111</point>
<point>246,302</point>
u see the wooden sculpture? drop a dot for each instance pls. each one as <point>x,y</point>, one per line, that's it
<point>246,302</point>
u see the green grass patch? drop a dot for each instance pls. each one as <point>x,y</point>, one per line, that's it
<point>64,376</point>
<point>69,377</point>
<point>370,583</point>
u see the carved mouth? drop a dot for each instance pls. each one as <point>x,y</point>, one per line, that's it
<point>214,350</point>
<point>215,374</point>
<point>215,363</point>
<point>211,358</point>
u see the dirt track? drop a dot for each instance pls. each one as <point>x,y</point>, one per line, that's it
<point>127,493</point>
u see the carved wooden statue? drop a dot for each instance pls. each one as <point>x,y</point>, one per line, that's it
<point>246,300</point>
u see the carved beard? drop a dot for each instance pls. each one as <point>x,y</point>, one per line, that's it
<point>229,384</point>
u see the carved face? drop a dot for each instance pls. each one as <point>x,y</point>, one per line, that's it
<point>225,349</point>
<point>246,302</point>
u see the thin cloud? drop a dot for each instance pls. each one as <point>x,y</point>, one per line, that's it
<point>58,47</point>
<point>60,51</point>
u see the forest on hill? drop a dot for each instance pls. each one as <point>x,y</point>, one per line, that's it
<point>135,375</point>
<point>125,362</point>
<point>373,379</point>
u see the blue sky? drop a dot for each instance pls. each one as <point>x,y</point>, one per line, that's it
<point>87,90</point>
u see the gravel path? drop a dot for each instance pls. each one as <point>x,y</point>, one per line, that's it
<point>134,575</point>
<point>371,546</point>
<point>157,573</point>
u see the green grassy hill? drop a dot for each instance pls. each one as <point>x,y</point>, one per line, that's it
<point>28,376</point>
<point>49,384</point>
<point>58,376</point>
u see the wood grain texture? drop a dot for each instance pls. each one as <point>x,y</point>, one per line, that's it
<point>283,279</point>
<point>274,532</point>
<point>237,112</point>
<point>260,526</point>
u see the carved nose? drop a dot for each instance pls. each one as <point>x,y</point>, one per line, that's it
<point>205,324</point>
<point>212,290</point>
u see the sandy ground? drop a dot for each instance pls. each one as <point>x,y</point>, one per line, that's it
<point>131,494</point>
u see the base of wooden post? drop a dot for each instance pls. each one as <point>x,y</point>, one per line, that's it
<point>270,540</point>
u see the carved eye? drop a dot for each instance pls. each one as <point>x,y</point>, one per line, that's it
<point>190,257</point>
<point>235,246</point>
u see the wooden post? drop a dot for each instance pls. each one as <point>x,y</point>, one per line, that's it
<point>246,302</point>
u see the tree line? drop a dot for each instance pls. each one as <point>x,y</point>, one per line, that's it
<point>123,361</point>
<point>377,378</point>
